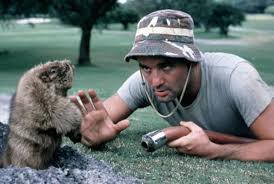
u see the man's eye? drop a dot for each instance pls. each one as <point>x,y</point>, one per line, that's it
<point>167,67</point>
<point>146,69</point>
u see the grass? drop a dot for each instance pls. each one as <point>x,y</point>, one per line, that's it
<point>259,22</point>
<point>27,47</point>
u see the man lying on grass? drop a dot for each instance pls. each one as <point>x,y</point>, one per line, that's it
<point>214,91</point>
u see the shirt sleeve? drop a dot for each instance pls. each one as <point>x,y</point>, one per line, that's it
<point>249,92</point>
<point>132,92</point>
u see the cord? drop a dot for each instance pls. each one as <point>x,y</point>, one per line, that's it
<point>178,103</point>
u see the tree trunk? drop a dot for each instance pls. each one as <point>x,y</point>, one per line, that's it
<point>125,26</point>
<point>207,28</point>
<point>224,30</point>
<point>84,55</point>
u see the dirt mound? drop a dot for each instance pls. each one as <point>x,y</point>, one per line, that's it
<point>68,166</point>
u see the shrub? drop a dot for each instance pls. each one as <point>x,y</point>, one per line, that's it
<point>269,10</point>
<point>224,15</point>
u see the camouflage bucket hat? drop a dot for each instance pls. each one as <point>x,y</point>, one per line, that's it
<point>166,33</point>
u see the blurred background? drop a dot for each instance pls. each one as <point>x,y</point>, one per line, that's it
<point>96,35</point>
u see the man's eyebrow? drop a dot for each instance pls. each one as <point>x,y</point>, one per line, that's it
<point>142,65</point>
<point>166,63</point>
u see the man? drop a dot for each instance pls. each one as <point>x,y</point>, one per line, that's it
<point>215,91</point>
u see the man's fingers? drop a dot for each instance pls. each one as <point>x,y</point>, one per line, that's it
<point>86,101</point>
<point>182,141</point>
<point>191,126</point>
<point>98,104</point>
<point>85,141</point>
<point>79,104</point>
<point>174,144</point>
<point>120,126</point>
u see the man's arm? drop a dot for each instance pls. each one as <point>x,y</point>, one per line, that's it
<point>117,108</point>
<point>197,142</point>
<point>262,150</point>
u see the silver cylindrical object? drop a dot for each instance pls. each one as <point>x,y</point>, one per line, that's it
<point>153,140</point>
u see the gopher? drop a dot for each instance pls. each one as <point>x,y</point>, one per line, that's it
<point>40,115</point>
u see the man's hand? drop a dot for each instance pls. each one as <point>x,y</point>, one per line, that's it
<point>195,143</point>
<point>96,126</point>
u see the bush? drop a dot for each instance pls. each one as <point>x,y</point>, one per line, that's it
<point>224,15</point>
<point>269,10</point>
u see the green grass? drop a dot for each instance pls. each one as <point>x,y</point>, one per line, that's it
<point>27,47</point>
<point>259,22</point>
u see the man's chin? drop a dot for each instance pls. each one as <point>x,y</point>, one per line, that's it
<point>164,99</point>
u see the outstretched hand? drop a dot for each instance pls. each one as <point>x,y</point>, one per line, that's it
<point>96,126</point>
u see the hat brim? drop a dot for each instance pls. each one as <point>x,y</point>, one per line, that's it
<point>165,49</point>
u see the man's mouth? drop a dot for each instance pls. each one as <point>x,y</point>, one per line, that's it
<point>161,93</point>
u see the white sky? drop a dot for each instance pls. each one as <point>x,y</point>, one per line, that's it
<point>122,1</point>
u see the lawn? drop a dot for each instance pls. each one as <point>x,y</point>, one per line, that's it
<point>26,46</point>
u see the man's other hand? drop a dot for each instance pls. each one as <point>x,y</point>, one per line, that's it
<point>195,143</point>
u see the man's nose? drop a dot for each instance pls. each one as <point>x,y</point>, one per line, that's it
<point>156,78</point>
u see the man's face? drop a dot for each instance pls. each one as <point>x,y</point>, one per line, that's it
<point>166,76</point>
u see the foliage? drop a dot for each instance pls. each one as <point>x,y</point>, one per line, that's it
<point>83,14</point>
<point>203,12</point>
<point>10,9</point>
<point>125,15</point>
<point>198,9</point>
<point>119,13</point>
<point>269,10</point>
<point>144,7</point>
<point>24,8</point>
<point>3,8</point>
<point>251,6</point>
<point>223,15</point>
<point>80,13</point>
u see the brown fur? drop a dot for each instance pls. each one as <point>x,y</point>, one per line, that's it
<point>40,115</point>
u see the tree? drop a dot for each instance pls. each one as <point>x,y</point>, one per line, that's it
<point>144,7</point>
<point>223,15</point>
<point>10,9</point>
<point>24,8</point>
<point>269,10</point>
<point>83,14</point>
<point>198,9</point>
<point>4,4</point>
<point>3,11</point>
<point>251,6</point>
<point>124,14</point>
<point>119,13</point>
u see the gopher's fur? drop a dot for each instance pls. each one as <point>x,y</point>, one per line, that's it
<point>40,115</point>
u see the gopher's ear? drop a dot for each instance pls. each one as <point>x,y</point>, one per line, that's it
<point>44,76</point>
